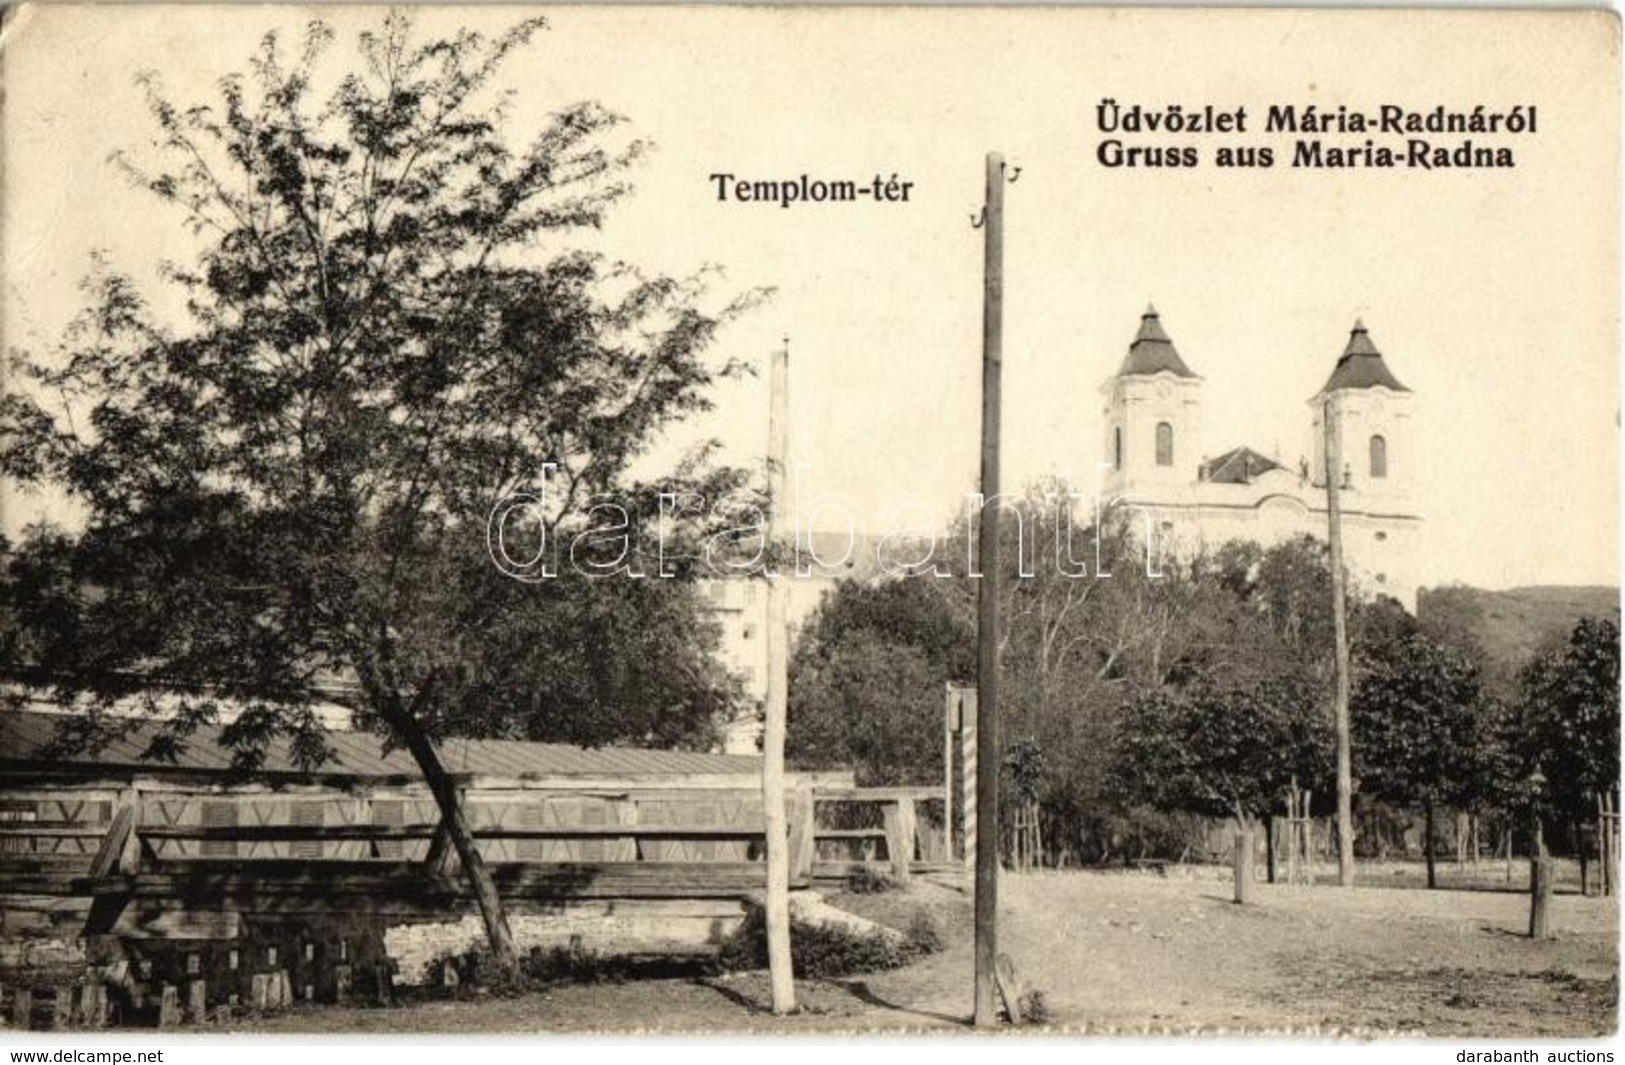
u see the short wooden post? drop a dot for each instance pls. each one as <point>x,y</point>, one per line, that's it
<point>341,983</point>
<point>1244,868</point>
<point>899,821</point>
<point>799,809</point>
<point>92,1004</point>
<point>22,1008</point>
<point>1540,897</point>
<point>169,1007</point>
<point>62,1008</point>
<point>903,859</point>
<point>259,994</point>
<point>197,1001</point>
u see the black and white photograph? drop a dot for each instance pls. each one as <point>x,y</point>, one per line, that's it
<point>773,522</point>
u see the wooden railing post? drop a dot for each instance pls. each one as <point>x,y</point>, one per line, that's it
<point>803,828</point>
<point>1244,867</point>
<point>1540,896</point>
<point>899,819</point>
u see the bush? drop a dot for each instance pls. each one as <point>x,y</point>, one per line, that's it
<point>451,974</point>
<point>826,951</point>
<point>1034,1010</point>
<point>870,881</point>
<point>924,934</point>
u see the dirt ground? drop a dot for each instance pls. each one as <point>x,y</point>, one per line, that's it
<point>1130,954</point>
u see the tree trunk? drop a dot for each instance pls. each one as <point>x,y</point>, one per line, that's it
<point>1269,849</point>
<point>455,824</point>
<point>1580,850</point>
<point>1427,839</point>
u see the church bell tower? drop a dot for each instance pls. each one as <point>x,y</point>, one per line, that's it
<point>1153,417</point>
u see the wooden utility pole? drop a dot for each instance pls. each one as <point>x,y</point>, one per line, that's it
<point>987,618</point>
<point>1340,636</point>
<point>778,690</point>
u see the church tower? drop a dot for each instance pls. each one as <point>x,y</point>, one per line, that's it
<point>1153,416</point>
<point>1381,529</point>
<point>1373,411</point>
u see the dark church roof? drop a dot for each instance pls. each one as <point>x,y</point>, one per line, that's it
<point>1152,352</point>
<point>1361,365</point>
<point>1237,466</point>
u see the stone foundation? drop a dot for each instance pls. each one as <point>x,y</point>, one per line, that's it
<point>643,928</point>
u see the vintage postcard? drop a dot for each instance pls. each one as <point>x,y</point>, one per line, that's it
<point>798,521</point>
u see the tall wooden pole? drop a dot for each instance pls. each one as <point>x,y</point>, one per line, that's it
<point>950,711</point>
<point>1340,636</point>
<point>777,709</point>
<point>987,622</point>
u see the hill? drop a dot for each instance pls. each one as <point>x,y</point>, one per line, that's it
<point>1512,625</point>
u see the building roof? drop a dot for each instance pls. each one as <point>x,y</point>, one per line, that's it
<point>1361,365</point>
<point>26,737</point>
<point>1152,352</point>
<point>1237,466</point>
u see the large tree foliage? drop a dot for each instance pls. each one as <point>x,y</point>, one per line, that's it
<point>1224,749</point>
<point>1570,718</point>
<point>385,331</point>
<point>1416,728</point>
<point>867,676</point>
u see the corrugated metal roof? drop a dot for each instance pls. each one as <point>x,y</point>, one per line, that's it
<point>26,737</point>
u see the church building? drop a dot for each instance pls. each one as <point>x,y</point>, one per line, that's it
<point>1196,498</point>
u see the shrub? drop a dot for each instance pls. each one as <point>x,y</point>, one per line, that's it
<point>825,951</point>
<point>870,881</point>
<point>1034,1010</point>
<point>924,934</point>
<point>541,967</point>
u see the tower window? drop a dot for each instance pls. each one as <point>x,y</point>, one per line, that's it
<point>1379,457</point>
<point>1165,444</point>
<point>1117,446</point>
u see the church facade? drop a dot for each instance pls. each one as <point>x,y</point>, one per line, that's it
<point>1195,498</point>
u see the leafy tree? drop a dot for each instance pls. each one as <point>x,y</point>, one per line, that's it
<point>384,333</point>
<point>1224,749</point>
<point>867,676</point>
<point>873,706</point>
<point>1416,734</point>
<point>1570,718</point>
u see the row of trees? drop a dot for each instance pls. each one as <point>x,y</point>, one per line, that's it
<point>1204,690</point>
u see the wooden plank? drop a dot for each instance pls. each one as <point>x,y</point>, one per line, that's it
<point>42,883</point>
<point>353,885</point>
<point>427,830</point>
<point>53,830</point>
<point>149,922</point>
<point>828,870</point>
<point>850,833</point>
<point>876,794</point>
<point>1004,971</point>
<point>112,845</point>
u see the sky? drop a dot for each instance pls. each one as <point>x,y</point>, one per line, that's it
<point>1494,294</point>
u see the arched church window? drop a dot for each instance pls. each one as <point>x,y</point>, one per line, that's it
<point>1165,444</point>
<point>1379,457</point>
<point>1117,446</point>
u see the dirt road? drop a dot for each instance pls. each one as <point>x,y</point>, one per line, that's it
<point>1132,953</point>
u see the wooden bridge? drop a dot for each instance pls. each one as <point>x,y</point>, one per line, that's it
<point>273,851</point>
<point>224,886</point>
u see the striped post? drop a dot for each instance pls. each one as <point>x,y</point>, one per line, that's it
<point>967,777</point>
